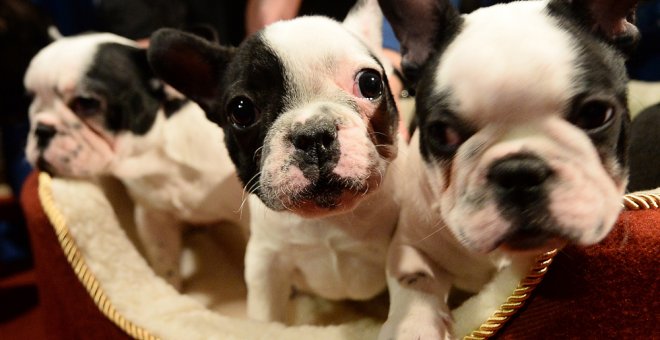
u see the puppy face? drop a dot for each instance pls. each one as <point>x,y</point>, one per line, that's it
<point>325,126</point>
<point>306,109</point>
<point>88,92</point>
<point>522,114</point>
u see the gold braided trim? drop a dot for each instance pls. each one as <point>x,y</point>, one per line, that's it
<point>516,300</point>
<point>540,267</point>
<point>641,201</point>
<point>79,266</point>
<point>494,323</point>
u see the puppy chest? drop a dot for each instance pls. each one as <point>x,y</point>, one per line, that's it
<point>195,201</point>
<point>341,270</point>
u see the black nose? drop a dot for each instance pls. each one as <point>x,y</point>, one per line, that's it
<point>44,133</point>
<point>519,174</point>
<point>318,141</point>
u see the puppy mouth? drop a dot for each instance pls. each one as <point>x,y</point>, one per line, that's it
<point>524,237</point>
<point>43,165</point>
<point>530,240</point>
<point>327,195</point>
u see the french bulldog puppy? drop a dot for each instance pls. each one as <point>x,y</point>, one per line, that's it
<point>99,110</point>
<point>522,115</point>
<point>311,125</point>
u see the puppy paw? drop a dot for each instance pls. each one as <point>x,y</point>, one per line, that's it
<point>429,327</point>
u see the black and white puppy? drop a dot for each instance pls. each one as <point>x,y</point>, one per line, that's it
<point>99,110</point>
<point>311,124</point>
<point>522,115</point>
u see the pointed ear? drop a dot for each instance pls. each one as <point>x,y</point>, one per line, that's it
<point>422,27</point>
<point>190,64</point>
<point>366,21</point>
<point>205,31</point>
<point>614,20</point>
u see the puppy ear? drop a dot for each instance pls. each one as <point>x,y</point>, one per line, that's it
<point>190,64</point>
<point>613,20</point>
<point>422,27</point>
<point>205,31</point>
<point>54,33</point>
<point>366,21</point>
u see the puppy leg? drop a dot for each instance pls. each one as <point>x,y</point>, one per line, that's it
<point>160,234</point>
<point>418,295</point>
<point>268,280</point>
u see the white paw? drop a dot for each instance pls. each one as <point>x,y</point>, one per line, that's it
<point>417,327</point>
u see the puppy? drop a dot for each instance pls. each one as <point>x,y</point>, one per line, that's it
<point>99,110</point>
<point>522,116</point>
<point>311,125</point>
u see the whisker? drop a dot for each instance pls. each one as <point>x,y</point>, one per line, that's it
<point>244,200</point>
<point>247,190</point>
<point>434,232</point>
<point>257,152</point>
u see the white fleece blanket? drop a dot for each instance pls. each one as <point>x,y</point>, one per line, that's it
<point>212,304</point>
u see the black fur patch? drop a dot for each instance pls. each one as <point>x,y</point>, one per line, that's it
<point>433,108</point>
<point>123,77</point>
<point>385,122</point>
<point>256,72</point>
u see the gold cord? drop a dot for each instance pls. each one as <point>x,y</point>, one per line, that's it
<point>538,271</point>
<point>79,265</point>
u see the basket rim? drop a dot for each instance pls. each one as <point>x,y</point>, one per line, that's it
<point>497,320</point>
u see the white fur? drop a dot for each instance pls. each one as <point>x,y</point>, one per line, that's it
<point>516,86</point>
<point>178,172</point>
<point>336,257</point>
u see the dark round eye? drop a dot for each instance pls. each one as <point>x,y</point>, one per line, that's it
<point>86,106</point>
<point>242,112</point>
<point>369,84</point>
<point>593,114</point>
<point>443,137</point>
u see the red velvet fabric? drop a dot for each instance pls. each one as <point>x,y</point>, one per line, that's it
<point>607,291</point>
<point>68,311</point>
<point>600,292</point>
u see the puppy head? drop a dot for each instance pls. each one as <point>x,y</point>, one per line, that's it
<point>522,116</point>
<point>88,91</point>
<point>308,116</point>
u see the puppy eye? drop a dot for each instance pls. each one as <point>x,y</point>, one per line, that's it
<point>85,106</point>
<point>242,112</point>
<point>443,137</point>
<point>593,114</point>
<point>369,84</point>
